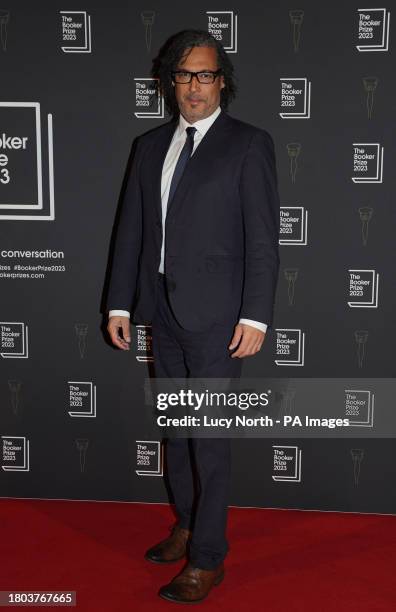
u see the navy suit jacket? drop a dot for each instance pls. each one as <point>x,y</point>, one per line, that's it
<point>221,229</point>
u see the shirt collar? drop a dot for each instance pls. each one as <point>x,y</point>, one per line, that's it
<point>202,125</point>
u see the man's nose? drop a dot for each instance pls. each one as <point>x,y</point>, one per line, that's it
<point>194,83</point>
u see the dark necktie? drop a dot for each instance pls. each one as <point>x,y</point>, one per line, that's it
<point>184,156</point>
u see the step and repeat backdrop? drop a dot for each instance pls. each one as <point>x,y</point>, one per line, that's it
<point>75,92</point>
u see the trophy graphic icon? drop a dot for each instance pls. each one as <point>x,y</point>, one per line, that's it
<point>293,151</point>
<point>81,333</point>
<point>286,402</point>
<point>148,20</point>
<point>4,20</point>
<point>14,387</point>
<point>82,445</point>
<point>148,385</point>
<point>361,336</point>
<point>370,85</point>
<point>365,213</point>
<point>291,277</point>
<point>296,19</point>
<point>357,457</point>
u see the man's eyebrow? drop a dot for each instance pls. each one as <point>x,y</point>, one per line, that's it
<point>201,70</point>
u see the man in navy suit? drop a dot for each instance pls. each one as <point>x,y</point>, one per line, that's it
<point>196,256</point>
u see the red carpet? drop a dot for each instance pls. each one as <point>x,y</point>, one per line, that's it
<point>279,560</point>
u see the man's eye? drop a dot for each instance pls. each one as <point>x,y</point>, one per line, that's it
<point>204,74</point>
<point>183,74</point>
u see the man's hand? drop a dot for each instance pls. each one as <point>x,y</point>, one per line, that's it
<point>114,325</point>
<point>249,338</point>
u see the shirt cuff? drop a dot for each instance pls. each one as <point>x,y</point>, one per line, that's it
<point>120,313</point>
<point>261,326</point>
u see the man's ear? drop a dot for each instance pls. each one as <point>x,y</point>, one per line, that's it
<point>222,82</point>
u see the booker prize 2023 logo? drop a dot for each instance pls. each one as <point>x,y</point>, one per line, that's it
<point>149,102</point>
<point>223,26</point>
<point>293,226</point>
<point>75,32</point>
<point>373,29</point>
<point>15,454</point>
<point>359,407</point>
<point>286,464</point>
<point>363,288</point>
<point>295,98</point>
<point>14,340</point>
<point>149,458</point>
<point>144,350</point>
<point>82,399</point>
<point>290,347</point>
<point>23,154</point>
<point>368,161</point>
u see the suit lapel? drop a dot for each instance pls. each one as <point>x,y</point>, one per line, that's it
<point>202,155</point>
<point>157,161</point>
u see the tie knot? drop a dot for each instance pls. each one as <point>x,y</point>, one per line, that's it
<point>191,131</point>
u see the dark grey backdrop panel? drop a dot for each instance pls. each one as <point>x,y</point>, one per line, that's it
<point>80,82</point>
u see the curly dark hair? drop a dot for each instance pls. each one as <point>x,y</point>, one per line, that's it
<point>171,53</point>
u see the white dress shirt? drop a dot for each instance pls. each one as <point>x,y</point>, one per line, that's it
<point>175,147</point>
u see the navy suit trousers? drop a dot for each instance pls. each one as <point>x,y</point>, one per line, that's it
<point>198,469</point>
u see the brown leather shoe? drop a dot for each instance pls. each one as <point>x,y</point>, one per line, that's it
<point>192,584</point>
<point>171,549</point>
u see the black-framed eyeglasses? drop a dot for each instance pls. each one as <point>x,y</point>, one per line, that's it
<point>185,76</point>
